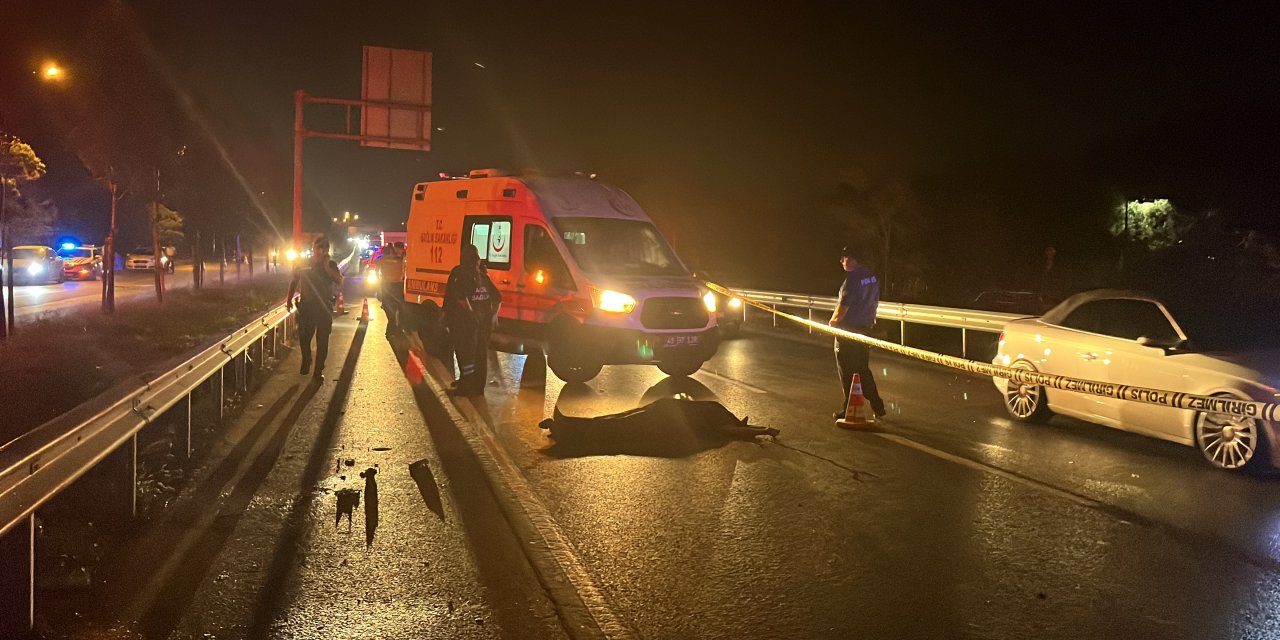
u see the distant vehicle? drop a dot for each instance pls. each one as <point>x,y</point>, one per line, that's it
<point>34,264</point>
<point>1010,301</point>
<point>1129,338</point>
<point>585,275</point>
<point>81,262</point>
<point>143,259</point>
<point>728,309</point>
<point>369,257</point>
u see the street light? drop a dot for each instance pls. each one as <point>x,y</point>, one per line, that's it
<point>51,71</point>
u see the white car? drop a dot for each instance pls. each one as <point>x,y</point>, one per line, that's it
<point>34,264</point>
<point>143,259</point>
<point>1130,338</point>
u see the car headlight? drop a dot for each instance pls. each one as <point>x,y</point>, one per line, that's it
<point>734,303</point>
<point>291,255</point>
<point>372,278</point>
<point>709,299</point>
<point>614,301</point>
<point>34,268</point>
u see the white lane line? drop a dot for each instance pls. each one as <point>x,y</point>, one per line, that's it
<point>555,547</point>
<point>748,387</point>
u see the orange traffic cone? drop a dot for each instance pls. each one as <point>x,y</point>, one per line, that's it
<point>856,415</point>
<point>413,369</point>
<point>342,304</point>
<point>364,311</point>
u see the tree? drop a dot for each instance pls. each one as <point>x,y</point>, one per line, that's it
<point>881,211</point>
<point>18,163</point>
<point>125,123</point>
<point>1150,225</point>
<point>166,230</point>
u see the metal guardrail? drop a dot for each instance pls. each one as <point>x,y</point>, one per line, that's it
<point>39,464</point>
<point>42,463</point>
<point>963,319</point>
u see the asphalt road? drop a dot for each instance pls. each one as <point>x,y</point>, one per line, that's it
<point>75,296</point>
<point>950,521</point>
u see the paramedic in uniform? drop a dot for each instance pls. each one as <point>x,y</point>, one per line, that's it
<point>856,311</point>
<point>315,280</point>
<point>391,284</point>
<point>470,303</point>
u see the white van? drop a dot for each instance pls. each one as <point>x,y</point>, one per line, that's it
<point>585,276</point>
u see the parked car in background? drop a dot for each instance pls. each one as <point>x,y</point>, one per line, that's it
<point>34,264</point>
<point>1120,337</point>
<point>81,262</point>
<point>1011,301</point>
<point>143,259</point>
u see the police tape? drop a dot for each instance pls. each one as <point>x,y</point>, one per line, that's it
<point>1147,395</point>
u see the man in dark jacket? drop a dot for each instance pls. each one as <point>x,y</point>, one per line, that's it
<point>856,311</point>
<point>314,279</point>
<point>470,303</point>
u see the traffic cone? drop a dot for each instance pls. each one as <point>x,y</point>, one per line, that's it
<point>364,311</point>
<point>413,369</point>
<point>342,304</point>
<point>856,413</point>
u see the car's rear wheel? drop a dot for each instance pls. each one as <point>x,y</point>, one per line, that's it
<point>1234,443</point>
<point>1026,402</point>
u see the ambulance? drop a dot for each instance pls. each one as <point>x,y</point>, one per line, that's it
<point>585,276</point>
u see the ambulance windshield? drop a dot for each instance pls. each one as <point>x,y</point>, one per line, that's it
<point>611,246</point>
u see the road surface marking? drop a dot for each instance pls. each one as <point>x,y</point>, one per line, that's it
<point>736,381</point>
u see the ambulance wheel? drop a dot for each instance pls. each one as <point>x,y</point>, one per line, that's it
<point>569,371</point>
<point>680,366</point>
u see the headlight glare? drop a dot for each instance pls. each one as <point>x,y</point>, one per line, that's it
<point>614,301</point>
<point>735,303</point>
<point>34,268</point>
<point>372,278</point>
<point>709,299</point>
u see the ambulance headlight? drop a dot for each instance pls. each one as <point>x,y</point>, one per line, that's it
<point>734,303</point>
<point>709,299</point>
<point>614,301</point>
<point>291,255</point>
<point>372,278</point>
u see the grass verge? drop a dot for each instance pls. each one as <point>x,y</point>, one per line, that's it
<point>55,363</point>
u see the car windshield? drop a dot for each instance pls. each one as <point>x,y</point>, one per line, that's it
<point>27,254</point>
<point>610,246</point>
<point>140,251</point>
<point>1235,325</point>
<point>76,253</point>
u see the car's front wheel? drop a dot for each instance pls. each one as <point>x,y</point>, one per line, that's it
<point>1234,443</point>
<point>1026,402</point>
<point>680,366</point>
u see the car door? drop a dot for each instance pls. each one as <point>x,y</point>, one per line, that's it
<point>545,278</point>
<point>1138,365</point>
<point>1083,350</point>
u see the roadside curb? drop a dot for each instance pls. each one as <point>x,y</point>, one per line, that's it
<point>581,605</point>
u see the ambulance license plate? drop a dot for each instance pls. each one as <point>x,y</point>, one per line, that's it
<point>680,341</point>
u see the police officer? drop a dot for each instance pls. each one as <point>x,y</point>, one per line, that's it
<point>856,311</point>
<point>470,303</point>
<point>391,284</point>
<point>315,280</point>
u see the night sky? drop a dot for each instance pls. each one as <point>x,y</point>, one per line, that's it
<point>1015,126</point>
